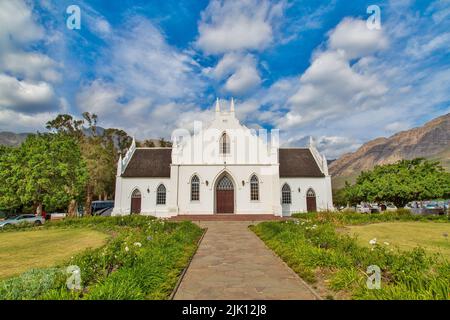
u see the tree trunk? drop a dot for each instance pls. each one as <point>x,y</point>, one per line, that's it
<point>39,209</point>
<point>88,203</point>
<point>71,212</point>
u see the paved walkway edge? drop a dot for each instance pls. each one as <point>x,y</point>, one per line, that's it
<point>183,273</point>
<point>289,268</point>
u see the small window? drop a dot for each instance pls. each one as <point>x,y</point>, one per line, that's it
<point>161,194</point>
<point>254,188</point>
<point>224,144</point>
<point>286,194</point>
<point>195,188</point>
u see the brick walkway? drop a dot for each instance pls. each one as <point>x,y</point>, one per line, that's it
<point>233,263</point>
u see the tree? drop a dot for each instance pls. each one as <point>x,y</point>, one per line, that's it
<point>46,169</point>
<point>400,183</point>
<point>164,143</point>
<point>100,152</point>
<point>148,143</point>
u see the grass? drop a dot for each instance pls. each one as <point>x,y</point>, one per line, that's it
<point>406,235</point>
<point>142,259</point>
<point>336,263</point>
<point>20,251</point>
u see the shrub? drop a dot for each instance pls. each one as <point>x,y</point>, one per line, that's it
<point>311,244</point>
<point>142,260</point>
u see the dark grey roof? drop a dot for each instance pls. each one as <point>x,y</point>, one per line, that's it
<point>149,162</point>
<point>298,162</point>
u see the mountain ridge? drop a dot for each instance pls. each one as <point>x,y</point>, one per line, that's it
<point>431,141</point>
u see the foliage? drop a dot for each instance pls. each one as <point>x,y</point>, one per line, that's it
<point>99,150</point>
<point>351,218</point>
<point>45,169</point>
<point>400,183</point>
<point>143,260</point>
<point>311,246</point>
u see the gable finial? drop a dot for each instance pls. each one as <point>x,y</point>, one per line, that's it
<point>232,105</point>
<point>217,105</point>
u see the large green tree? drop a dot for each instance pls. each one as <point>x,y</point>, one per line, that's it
<point>46,169</point>
<point>400,183</point>
<point>99,149</point>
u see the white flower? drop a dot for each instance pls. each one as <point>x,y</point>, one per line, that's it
<point>138,244</point>
<point>127,249</point>
<point>386,243</point>
<point>373,241</point>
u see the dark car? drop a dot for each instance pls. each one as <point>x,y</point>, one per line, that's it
<point>104,212</point>
<point>100,205</point>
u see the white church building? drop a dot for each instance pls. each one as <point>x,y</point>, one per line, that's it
<point>225,168</point>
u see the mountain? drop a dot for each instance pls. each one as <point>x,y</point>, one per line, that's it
<point>12,139</point>
<point>431,141</point>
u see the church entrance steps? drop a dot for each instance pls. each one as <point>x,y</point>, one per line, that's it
<point>232,263</point>
<point>226,217</point>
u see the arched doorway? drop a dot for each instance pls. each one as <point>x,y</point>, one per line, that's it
<point>136,201</point>
<point>224,195</point>
<point>311,201</point>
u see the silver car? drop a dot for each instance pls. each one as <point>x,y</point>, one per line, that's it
<point>23,218</point>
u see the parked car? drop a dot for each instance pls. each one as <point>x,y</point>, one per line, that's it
<point>100,205</point>
<point>104,212</point>
<point>363,208</point>
<point>391,207</point>
<point>22,218</point>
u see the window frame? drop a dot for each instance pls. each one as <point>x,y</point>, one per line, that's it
<point>254,182</point>
<point>286,191</point>
<point>224,144</point>
<point>162,193</point>
<point>195,182</point>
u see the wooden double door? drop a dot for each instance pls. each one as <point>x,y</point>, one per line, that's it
<point>225,195</point>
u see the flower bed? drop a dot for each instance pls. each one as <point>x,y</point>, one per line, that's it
<point>142,260</point>
<point>313,248</point>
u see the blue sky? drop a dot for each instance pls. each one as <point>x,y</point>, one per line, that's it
<point>304,67</point>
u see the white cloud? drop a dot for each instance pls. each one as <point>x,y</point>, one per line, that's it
<point>421,48</point>
<point>356,40</point>
<point>26,76</point>
<point>25,96</point>
<point>140,59</point>
<point>31,65</point>
<point>239,71</point>
<point>17,24</point>
<point>232,25</point>
<point>143,84</point>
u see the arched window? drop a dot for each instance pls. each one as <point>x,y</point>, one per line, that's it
<point>161,194</point>
<point>286,194</point>
<point>254,188</point>
<point>195,188</point>
<point>225,184</point>
<point>136,193</point>
<point>310,193</point>
<point>224,144</point>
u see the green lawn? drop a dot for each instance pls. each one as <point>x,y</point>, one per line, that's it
<point>23,250</point>
<point>143,258</point>
<point>320,248</point>
<point>406,235</point>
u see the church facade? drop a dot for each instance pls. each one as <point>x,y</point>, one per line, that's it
<point>225,168</point>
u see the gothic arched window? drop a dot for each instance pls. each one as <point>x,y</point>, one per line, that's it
<point>254,188</point>
<point>310,193</point>
<point>161,194</point>
<point>224,144</point>
<point>286,194</point>
<point>195,188</point>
